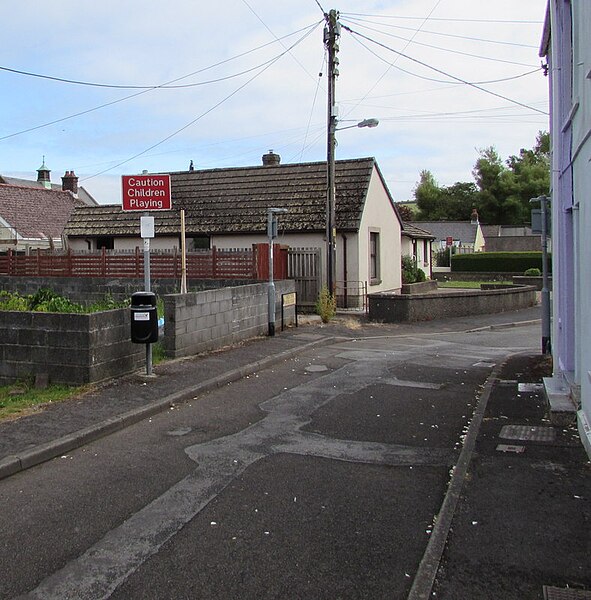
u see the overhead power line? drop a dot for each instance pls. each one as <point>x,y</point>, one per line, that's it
<point>509,22</point>
<point>491,58</point>
<point>442,34</point>
<point>476,86</point>
<point>203,114</point>
<point>167,85</point>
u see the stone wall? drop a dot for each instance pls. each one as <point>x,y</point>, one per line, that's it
<point>87,290</point>
<point>393,308</point>
<point>72,349</point>
<point>202,321</point>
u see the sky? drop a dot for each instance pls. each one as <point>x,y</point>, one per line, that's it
<point>221,84</point>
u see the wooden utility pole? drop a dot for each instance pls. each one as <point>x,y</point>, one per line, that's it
<point>332,33</point>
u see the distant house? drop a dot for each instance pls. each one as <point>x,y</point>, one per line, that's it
<point>510,238</point>
<point>227,208</point>
<point>464,235</point>
<point>33,218</point>
<point>566,45</point>
<point>43,181</point>
<point>417,242</point>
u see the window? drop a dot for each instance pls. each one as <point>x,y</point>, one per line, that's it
<point>108,243</point>
<point>374,257</point>
<point>425,252</point>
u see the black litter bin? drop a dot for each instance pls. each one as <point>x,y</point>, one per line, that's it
<point>144,318</point>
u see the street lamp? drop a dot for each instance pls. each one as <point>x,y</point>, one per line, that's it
<point>272,234</point>
<point>546,340</point>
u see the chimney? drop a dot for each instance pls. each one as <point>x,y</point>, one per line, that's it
<point>43,176</point>
<point>70,182</point>
<point>474,217</point>
<point>191,166</point>
<point>271,159</point>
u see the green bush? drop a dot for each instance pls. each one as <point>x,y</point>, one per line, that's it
<point>326,305</point>
<point>498,262</point>
<point>46,300</point>
<point>410,271</point>
<point>532,272</point>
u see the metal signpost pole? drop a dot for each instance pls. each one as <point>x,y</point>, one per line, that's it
<point>147,232</point>
<point>272,234</point>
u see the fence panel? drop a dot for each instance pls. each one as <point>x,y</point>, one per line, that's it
<point>303,266</point>
<point>206,264</point>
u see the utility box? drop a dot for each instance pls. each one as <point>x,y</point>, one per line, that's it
<point>144,318</point>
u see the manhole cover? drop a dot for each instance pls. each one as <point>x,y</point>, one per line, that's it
<point>316,368</point>
<point>510,448</point>
<point>554,593</point>
<point>531,387</point>
<point>527,433</point>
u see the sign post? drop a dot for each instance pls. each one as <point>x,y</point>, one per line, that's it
<point>146,193</point>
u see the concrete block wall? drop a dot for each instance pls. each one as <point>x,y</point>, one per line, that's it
<point>72,349</point>
<point>87,290</point>
<point>393,308</point>
<point>202,321</point>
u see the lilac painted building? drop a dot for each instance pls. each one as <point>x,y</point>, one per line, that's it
<point>566,44</point>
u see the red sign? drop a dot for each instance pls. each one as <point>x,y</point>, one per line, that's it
<point>146,192</point>
<point>449,241</point>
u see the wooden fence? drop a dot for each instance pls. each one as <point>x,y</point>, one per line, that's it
<point>206,264</point>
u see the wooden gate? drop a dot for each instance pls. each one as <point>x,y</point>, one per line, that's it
<point>303,266</point>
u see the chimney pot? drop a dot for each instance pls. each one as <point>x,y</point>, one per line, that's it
<point>70,182</point>
<point>271,159</point>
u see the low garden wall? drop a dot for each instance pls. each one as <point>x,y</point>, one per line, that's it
<point>87,290</point>
<point>202,321</point>
<point>399,308</point>
<point>76,349</point>
<point>72,349</point>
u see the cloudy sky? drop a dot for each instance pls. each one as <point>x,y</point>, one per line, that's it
<point>221,83</point>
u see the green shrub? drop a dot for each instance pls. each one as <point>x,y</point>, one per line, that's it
<point>532,272</point>
<point>46,300</point>
<point>10,301</point>
<point>411,273</point>
<point>326,305</point>
<point>498,262</point>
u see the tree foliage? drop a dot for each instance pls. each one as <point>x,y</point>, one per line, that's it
<point>501,190</point>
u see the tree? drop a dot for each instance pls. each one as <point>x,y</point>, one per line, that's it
<point>427,196</point>
<point>406,212</point>
<point>446,203</point>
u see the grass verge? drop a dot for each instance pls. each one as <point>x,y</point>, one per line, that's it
<point>22,398</point>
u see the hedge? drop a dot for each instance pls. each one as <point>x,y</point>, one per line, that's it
<point>499,262</point>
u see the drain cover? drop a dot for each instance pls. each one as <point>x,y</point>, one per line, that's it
<point>531,387</point>
<point>554,593</point>
<point>510,448</point>
<point>316,368</point>
<point>527,433</point>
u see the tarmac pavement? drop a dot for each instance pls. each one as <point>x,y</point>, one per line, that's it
<point>517,511</point>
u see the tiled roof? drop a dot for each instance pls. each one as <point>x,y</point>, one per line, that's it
<point>464,231</point>
<point>411,230</point>
<point>83,194</point>
<point>235,200</point>
<point>36,213</point>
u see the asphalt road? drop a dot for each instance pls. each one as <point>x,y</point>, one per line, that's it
<point>317,478</point>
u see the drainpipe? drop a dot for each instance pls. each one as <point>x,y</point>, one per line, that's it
<point>345,282</point>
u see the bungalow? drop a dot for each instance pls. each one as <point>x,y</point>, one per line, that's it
<point>43,181</point>
<point>417,242</point>
<point>33,218</point>
<point>227,208</point>
<point>466,235</point>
